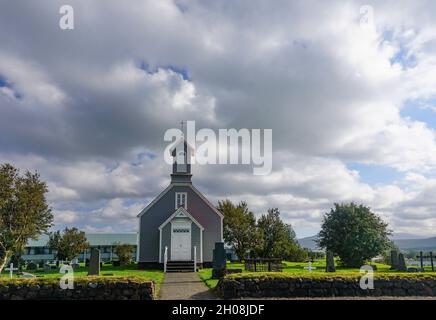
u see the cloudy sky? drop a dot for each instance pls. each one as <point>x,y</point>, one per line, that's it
<point>348,87</point>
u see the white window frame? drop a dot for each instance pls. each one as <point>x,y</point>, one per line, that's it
<point>182,194</point>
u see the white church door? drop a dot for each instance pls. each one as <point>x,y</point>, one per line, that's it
<point>181,240</point>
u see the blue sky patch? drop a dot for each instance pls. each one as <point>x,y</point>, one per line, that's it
<point>176,69</point>
<point>423,110</point>
<point>375,174</point>
<point>404,58</point>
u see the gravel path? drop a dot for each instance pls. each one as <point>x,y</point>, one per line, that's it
<point>184,286</point>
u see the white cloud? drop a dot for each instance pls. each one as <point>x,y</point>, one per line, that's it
<point>96,101</point>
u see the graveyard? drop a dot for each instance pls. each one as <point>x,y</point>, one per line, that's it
<point>317,270</point>
<point>84,275</point>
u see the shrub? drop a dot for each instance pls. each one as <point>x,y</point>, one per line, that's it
<point>354,233</point>
<point>124,252</point>
<point>31,266</point>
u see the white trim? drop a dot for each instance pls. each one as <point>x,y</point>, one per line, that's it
<point>138,240</point>
<point>160,245</point>
<point>174,184</point>
<point>155,200</point>
<point>186,200</point>
<point>201,246</point>
<point>186,213</point>
<point>222,230</point>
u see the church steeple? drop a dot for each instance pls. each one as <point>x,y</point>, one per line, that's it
<point>181,152</point>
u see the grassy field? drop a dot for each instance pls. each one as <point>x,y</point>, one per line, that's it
<point>130,270</point>
<point>297,269</point>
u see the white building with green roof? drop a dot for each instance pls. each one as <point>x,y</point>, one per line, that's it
<point>38,251</point>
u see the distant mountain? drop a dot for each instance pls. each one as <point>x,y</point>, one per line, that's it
<point>308,243</point>
<point>406,243</point>
<point>406,236</point>
<point>416,244</point>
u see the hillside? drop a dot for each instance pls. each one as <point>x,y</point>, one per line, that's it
<point>425,244</point>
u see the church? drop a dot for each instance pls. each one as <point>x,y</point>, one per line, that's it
<point>180,225</point>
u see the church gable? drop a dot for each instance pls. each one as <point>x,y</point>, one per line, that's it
<point>200,223</point>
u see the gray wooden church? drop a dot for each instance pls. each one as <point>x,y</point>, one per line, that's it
<point>180,225</point>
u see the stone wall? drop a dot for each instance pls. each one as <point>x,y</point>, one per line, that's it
<point>86,288</point>
<point>257,287</point>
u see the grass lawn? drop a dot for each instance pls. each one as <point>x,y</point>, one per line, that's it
<point>206,276</point>
<point>297,269</point>
<point>130,270</point>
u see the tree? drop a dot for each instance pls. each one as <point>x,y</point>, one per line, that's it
<point>24,212</point>
<point>239,227</point>
<point>124,252</point>
<point>68,244</point>
<point>278,239</point>
<point>354,233</point>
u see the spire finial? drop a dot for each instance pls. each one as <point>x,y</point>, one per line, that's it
<point>182,123</point>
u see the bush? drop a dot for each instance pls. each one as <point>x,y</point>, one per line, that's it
<point>124,252</point>
<point>354,233</point>
<point>31,266</point>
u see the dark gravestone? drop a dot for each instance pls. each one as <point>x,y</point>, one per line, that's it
<point>401,263</point>
<point>330,262</point>
<point>431,261</point>
<point>219,261</point>
<point>94,263</point>
<point>421,260</point>
<point>394,260</point>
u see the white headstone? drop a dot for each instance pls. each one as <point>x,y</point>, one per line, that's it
<point>11,270</point>
<point>309,267</point>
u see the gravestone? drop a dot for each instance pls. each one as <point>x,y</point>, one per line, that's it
<point>219,261</point>
<point>401,263</point>
<point>394,260</point>
<point>421,260</point>
<point>94,263</point>
<point>47,267</point>
<point>11,270</point>
<point>310,267</point>
<point>330,262</point>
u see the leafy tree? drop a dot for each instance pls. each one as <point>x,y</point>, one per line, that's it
<point>278,240</point>
<point>239,227</point>
<point>354,233</point>
<point>124,252</point>
<point>68,244</point>
<point>24,212</point>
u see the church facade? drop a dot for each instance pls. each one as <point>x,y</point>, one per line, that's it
<point>178,220</point>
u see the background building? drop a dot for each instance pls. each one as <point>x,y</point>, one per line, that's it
<point>38,251</point>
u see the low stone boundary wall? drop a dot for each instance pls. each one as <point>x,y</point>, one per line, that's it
<point>86,288</point>
<point>270,286</point>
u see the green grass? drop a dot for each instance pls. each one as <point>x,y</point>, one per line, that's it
<point>296,269</point>
<point>206,276</point>
<point>107,271</point>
